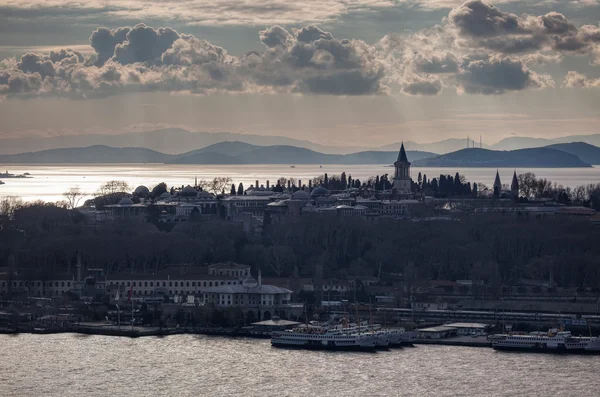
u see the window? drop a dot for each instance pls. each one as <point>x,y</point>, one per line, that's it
<point>145,283</point>
<point>176,283</point>
<point>210,284</point>
<point>205,283</point>
<point>193,283</point>
<point>187,284</point>
<point>152,283</point>
<point>164,283</point>
<point>128,284</point>
<point>68,283</point>
<point>171,284</point>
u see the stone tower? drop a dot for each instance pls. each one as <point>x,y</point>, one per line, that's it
<point>402,181</point>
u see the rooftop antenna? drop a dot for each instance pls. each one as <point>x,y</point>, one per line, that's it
<point>468,138</point>
<point>480,146</point>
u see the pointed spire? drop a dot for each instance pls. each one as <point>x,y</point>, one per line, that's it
<point>497,182</point>
<point>402,155</point>
<point>515,182</point>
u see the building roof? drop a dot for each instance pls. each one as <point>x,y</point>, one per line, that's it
<point>125,201</point>
<point>319,191</point>
<point>402,155</point>
<point>240,289</point>
<point>300,195</point>
<point>284,323</point>
<point>228,266</point>
<point>141,190</point>
<point>466,325</point>
<point>437,329</point>
<point>166,275</point>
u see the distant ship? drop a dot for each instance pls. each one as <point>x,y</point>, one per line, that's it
<point>554,341</point>
<point>293,166</point>
<point>323,338</point>
<point>8,175</point>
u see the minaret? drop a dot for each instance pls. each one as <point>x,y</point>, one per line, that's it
<point>402,174</point>
<point>514,186</point>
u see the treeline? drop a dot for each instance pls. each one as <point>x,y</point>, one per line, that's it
<point>43,240</point>
<point>534,188</point>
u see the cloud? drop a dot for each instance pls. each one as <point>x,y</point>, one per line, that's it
<point>477,49</point>
<point>494,76</point>
<point>578,80</point>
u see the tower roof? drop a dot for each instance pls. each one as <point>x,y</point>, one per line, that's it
<point>497,180</point>
<point>515,182</point>
<point>402,155</point>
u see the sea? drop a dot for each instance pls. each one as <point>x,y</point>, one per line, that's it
<point>194,365</point>
<point>49,182</point>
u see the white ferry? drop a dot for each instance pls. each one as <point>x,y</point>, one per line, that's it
<point>317,337</point>
<point>554,341</point>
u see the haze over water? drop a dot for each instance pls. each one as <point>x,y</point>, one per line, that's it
<point>190,365</point>
<point>50,181</point>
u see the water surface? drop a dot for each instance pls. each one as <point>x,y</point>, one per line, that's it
<point>188,365</point>
<point>49,182</point>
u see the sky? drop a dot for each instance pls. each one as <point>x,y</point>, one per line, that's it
<point>337,72</point>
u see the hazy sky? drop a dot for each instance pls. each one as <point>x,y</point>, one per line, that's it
<point>360,72</point>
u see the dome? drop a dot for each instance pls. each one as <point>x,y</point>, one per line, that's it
<point>188,190</point>
<point>300,195</point>
<point>141,191</point>
<point>319,191</point>
<point>125,201</point>
<point>165,195</point>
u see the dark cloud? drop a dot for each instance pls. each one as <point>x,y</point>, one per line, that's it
<point>478,19</point>
<point>493,76</point>
<point>104,41</point>
<point>436,64</point>
<point>311,33</point>
<point>144,44</point>
<point>275,36</point>
<point>423,87</point>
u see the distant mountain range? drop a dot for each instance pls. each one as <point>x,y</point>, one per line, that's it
<point>511,143</point>
<point>176,140</point>
<point>170,141</point>
<point>220,153</point>
<point>523,158</point>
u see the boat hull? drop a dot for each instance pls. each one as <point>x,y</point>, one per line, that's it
<point>319,346</point>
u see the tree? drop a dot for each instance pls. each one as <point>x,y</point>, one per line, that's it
<point>280,258</point>
<point>233,191</point>
<point>325,180</point>
<point>73,196</point>
<point>112,187</point>
<point>218,184</point>
<point>240,190</point>
<point>158,190</point>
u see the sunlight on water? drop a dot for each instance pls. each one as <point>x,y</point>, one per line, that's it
<point>50,181</point>
<point>188,365</point>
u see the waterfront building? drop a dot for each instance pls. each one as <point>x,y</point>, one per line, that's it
<point>126,208</point>
<point>249,295</point>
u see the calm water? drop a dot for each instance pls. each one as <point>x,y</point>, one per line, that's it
<point>186,365</point>
<point>50,181</point>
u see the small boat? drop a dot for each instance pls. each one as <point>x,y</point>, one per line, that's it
<point>293,166</point>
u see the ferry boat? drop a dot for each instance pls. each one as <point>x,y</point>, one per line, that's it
<point>554,341</point>
<point>322,338</point>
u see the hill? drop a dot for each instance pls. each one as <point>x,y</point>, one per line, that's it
<point>520,142</point>
<point>241,153</point>
<point>445,146</point>
<point>170,140</point>
<point>586,152</point>
<point>91,154</point>
<point>532,158</point>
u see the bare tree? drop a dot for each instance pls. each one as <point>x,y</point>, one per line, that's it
<point>218,184</point>
<point>8,205</point>
<point>113,187</point>
<point>73,196</point>
<point>280,258</point>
